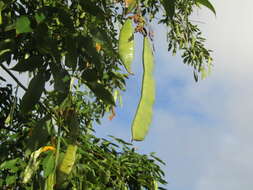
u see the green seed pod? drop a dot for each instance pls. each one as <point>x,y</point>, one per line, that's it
<point>126,45</point>
<point>66,165</point>
<point>155,185</point>
<point>143,115</point>
<point>32,166</point>
<point>68,159</point>
<point>50,182</point>
<point>33,94</point>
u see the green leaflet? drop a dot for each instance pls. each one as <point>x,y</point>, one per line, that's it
<point>48,169</point>
<point>23,25</point>
<point>11,180</point>
<point>169,7</point>
<point>101,92</point>
<point>39,135</point>
<point>61,81</point>
<point>34,92</point>
<point>9,164</point>
<point>48,164</point>
<point>2,6</point>
<point>39,17</point>
<point>143,115</point>
<point>207,4</point>
<point>126,45</point>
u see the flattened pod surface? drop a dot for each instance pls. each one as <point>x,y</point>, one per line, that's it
<point>126,45</point>
<point>68,159</point>
<point>155,184</point>
<point>50,182</point>
<point>66,165</point>
<point>143,115</point>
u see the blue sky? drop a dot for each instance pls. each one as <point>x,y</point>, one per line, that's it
<point>203,131</point>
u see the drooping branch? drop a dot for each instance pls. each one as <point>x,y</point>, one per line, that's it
<point>13,77</point>
<point>23,87</point>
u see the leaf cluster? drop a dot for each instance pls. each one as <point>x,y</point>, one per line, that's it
<point>100,163</point>
<point>69,50</point>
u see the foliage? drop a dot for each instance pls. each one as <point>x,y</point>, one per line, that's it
<point>71,52</point>
<point>100,163</point>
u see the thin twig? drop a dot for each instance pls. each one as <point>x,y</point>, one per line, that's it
<point>13,77</point>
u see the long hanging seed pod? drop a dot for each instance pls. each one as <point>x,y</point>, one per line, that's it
<point>67,162</point>
<point>68,159</point>
<point>126,45</point>
<point>50,182</point>
<point>65,166</point>
<point>143,115</point>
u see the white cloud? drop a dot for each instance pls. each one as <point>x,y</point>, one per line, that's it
<point>204,130</point>
<point>230,35</point>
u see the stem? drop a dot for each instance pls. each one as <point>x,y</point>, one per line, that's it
<point>57,154</point>
<point>71,83</point>
<point>57,148</point>
<point>14,105</point>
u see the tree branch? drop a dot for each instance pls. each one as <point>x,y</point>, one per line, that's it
<point>13,77</point>
<point>22,86</point>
